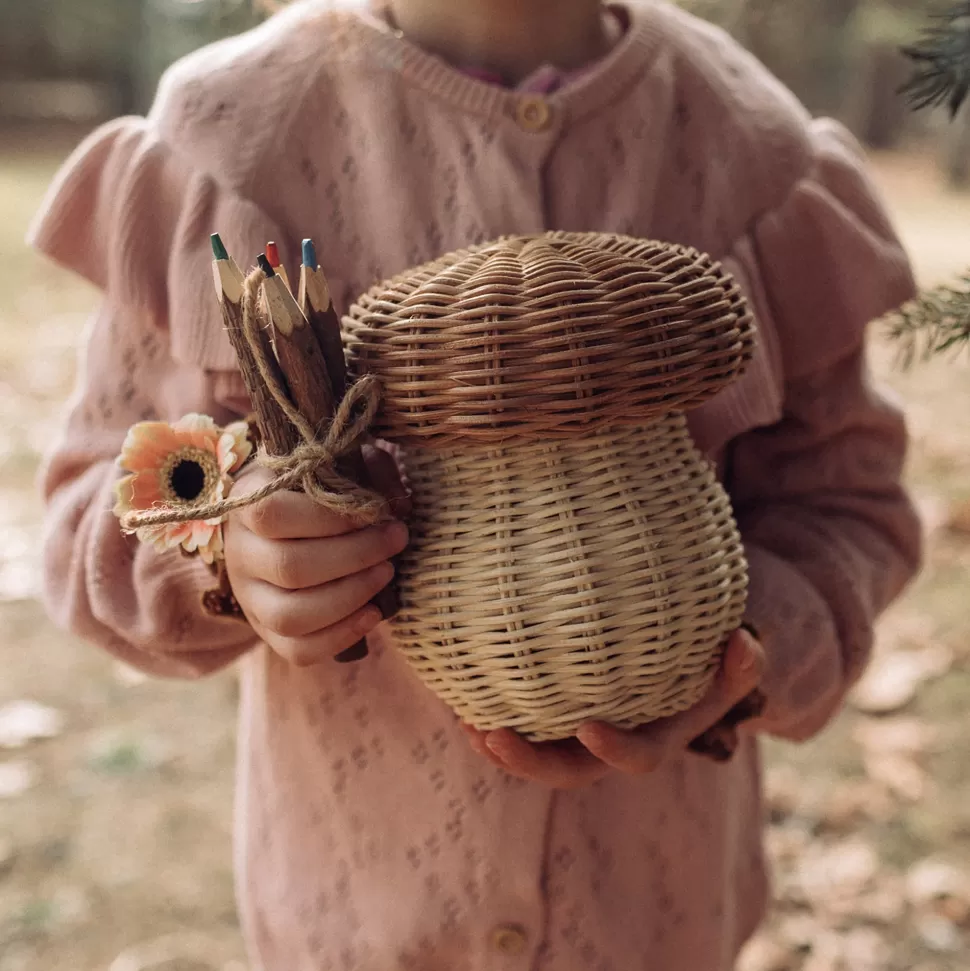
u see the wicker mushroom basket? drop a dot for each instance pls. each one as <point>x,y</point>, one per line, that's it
<point>573,556</point>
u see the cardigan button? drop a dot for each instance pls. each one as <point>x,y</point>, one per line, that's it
<point>533,114</point>
<point>510,939</point>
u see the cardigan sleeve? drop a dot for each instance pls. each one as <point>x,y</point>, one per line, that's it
<point>128,214</point>
<point>830,533</point>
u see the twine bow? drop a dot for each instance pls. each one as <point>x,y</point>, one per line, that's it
<point>311,466</point>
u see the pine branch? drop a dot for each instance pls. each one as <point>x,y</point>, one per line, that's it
<point>942,61</point>
<point>934,323</point>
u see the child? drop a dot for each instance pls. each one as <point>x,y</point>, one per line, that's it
<point>371,836</point>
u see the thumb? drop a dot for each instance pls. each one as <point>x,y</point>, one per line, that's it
<point>744,662</point>
<point>385,477</point>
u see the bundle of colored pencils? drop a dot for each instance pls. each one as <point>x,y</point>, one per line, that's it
<point>307,358</point>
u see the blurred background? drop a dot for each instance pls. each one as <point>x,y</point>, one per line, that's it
<point>115,792</point>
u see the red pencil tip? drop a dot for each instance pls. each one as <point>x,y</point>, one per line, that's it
<point>273,254</point>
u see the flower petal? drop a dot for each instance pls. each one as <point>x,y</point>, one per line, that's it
<point>200,535</point>
<point>164,537</point>
<point>123,496</point>
<point>195,423</point>
<point>198,430</point>
<point>213,550</point>
<point>144,489</point>
<point>234,447</point>
<point>145,445</point>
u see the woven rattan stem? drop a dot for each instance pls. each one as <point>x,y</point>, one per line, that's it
<point>548,584</point>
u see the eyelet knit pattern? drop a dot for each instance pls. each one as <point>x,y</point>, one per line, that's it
<point>370,837</point>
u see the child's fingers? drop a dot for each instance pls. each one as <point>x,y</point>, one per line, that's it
<point>301,613</point>
<point>556,766</point>
<point>327,644</point>
<point>291,515</point>
<point>741,672</point>
<point>476,740</point>
<point>644,750</point>
<point>302,564</point>
<point>635,753</point>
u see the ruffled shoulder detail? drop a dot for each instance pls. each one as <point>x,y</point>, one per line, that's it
<point>133,216</point>
<point>829,257</point>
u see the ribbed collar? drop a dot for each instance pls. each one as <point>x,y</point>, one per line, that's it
<point>597,88</point>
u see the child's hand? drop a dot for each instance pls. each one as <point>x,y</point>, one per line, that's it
<point>600,749</point>
<point>304,576</point>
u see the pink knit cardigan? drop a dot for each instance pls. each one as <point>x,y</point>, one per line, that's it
<point>370,837</point>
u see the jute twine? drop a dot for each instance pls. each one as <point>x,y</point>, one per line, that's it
<point>311,466</point>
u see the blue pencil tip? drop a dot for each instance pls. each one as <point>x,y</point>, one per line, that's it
<point>309,254</point>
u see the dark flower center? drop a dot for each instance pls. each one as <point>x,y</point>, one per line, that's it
<point>188,480</point>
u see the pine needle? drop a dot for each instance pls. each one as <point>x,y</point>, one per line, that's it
<point>936,322</point>
<point>942,60</point>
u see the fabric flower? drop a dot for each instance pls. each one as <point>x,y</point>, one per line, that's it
<point>181,466</point>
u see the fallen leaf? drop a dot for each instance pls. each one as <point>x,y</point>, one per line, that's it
<point>938,887</point>
<point>851,803</point>
<point>764,954</point>
<point>899,735</point>
<point>901,776</point>
<point>904,628</point>
<point>864,949</point>
<point>787,842</point>
<point>826,952</point>
<point>938,934</point>
<point>882,904</point>
<point>128,676</point>
<point>932,879</point>
<point>958,518</point>
<point>22,722</point>
<point>798,931</point>
<point>893,679</point>
<point>825,872</point>
<point>956,910</point>
<point>16,778</point>
<point>784,788</point>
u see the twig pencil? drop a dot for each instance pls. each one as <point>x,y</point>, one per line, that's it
<point>274,426</point>
<point>278,433</point>
<point>317,307</point>
<point>316,302</point>
<point>300,355</point>
<point>302,362</point>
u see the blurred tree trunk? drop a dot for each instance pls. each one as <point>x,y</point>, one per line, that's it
<point>90,40</point>
<point>874,109</point>
<point>806,43</point>
<point>957,161</point>
<point>174,28</point>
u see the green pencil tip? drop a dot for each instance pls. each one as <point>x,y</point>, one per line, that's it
<point>218,247</point>
<point>309,254</point>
